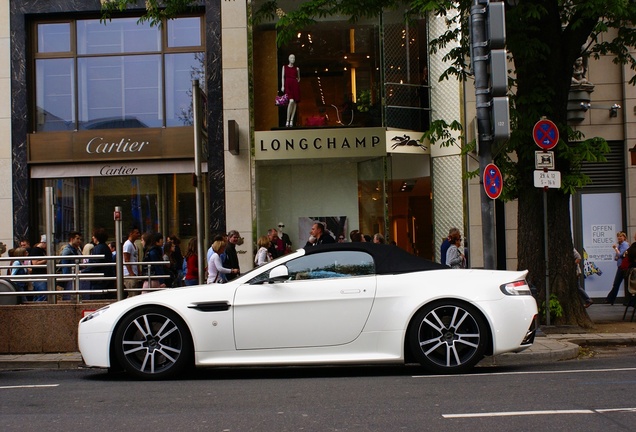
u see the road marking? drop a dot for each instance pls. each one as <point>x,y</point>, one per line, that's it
<point>540,412</point>
<point>29,386</point>
<point>527,373</point>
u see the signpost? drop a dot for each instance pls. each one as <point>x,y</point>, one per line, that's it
<point>546,135</point>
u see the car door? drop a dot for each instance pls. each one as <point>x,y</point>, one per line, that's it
<point>325,300</point>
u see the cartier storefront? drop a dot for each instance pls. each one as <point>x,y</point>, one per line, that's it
<point>103,115</point>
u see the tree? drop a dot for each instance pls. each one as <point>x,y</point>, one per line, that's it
<point>544,39</point>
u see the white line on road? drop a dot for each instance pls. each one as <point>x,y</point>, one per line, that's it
<point>541,412</point>
<point>528,373</point>
<point>28,386</point>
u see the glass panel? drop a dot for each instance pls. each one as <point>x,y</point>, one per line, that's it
<point>371,197</point>
<point>120,92</point>
<point>122,35</point>
<point>183,32</point>
<point>54,37</point>
<point>331,265</point>
<point>54,92</point>
<point>181,69</point>
<point>158,203</point>
<point>339,66</point>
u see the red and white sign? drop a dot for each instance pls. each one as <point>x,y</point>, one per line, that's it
<point>545,134</point>
<point>493,181</point>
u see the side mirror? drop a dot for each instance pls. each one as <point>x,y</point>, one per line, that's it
<point>279,274</point>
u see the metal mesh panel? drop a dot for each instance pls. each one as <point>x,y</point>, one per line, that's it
<point>406,90</point>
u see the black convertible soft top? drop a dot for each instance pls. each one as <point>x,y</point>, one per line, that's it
<point>388,259</point>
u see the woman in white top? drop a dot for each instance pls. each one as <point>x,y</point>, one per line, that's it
<point>215,266</point>
<point>454,256</point>
<point>263,256</point>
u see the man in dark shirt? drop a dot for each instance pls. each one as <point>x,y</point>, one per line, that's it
<point>319,235</point>
<point>39,250</point>
<point>231,257</point>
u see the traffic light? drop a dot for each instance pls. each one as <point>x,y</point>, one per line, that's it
<point>498,70</point>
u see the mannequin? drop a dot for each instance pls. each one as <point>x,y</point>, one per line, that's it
<point>290,86</point>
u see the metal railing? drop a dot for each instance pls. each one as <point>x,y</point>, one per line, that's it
<point>58,283</point>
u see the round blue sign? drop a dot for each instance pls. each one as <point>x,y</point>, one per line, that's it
<point>493,182</point>
<point>545,134</point>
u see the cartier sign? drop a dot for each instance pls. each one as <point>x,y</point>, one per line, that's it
<point>320,143</point>
<point>111,145</point>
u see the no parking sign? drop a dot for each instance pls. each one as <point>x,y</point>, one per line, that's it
<point>493,181</point>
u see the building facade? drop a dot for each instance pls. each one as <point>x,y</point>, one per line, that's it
<point>102,114</point>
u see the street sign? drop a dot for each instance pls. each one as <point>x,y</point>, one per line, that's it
<point>544,159</point>
<point>549,179</point>
<point>545,134</point>
<point>493,182</point>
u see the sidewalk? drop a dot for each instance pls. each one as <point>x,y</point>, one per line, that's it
<point>548,346</point>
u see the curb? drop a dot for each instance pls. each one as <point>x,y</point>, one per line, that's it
<point>71,360</point>
<point>548,351</point>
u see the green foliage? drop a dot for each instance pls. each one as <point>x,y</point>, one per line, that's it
<point>156,10</point>
<point>556,310</point>
<point>363,102</point>
<point>440,132</point>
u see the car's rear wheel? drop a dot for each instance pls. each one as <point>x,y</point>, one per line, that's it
<point>153,343</point>
<point>448,337</point>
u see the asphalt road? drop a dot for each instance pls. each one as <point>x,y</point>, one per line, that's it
<point>591,394</point>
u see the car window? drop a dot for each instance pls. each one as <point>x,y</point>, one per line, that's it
<point>331,265</point>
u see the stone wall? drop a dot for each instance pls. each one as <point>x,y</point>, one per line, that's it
<point>46,328</point>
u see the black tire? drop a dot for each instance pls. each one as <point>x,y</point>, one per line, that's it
<point>448,337</point>
<point>153,343</point>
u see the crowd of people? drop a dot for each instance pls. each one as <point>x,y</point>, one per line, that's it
<point>167,265</point>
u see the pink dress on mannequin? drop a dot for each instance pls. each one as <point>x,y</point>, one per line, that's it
<point>292,86</point>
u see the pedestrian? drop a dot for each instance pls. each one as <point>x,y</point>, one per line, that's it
<point>102,257</point>
<point>620,247</point>
<point>378,238</point>
<point>262,255</point>
<point>587,301</point>
<point>39,250</point>
<point>19,268</point>
<point>446,244</point>
<point>215,266</point>
<point>70,249</point>
<point>231,257</point>
<point>178,259</point>
<point>455,255</point>
<point>155,254</point>
<point>131,259</point>
<point>192,264</point>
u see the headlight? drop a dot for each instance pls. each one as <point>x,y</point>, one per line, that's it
<point>95,314</point>
<point>516,288</point>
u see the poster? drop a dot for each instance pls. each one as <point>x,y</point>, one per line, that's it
<point>601,219</point>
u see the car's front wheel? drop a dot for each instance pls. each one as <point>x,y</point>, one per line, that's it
<point>448,337</point>
<point>152,343</point>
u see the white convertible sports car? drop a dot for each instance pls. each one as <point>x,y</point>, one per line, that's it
<point>347,303</point>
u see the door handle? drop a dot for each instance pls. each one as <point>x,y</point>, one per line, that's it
<point>350,291</point>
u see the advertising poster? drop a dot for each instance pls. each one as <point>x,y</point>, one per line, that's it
<point>601,220</point>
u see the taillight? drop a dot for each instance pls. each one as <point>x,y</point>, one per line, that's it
<point>519,287</point>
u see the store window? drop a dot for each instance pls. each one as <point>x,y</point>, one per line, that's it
<point>339,66</point>
<point>118,74</point>
<point>155,203</point>
<point>373,72</point>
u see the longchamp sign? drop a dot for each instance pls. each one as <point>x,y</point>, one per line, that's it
<point>319,143</point>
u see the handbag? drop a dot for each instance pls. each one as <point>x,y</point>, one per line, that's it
<point>281,100</point>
